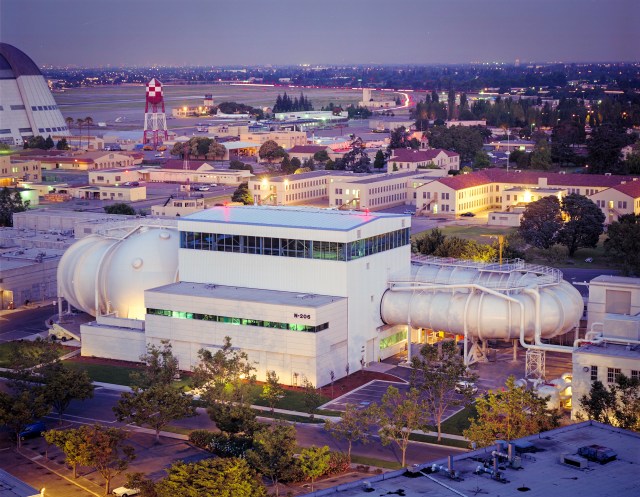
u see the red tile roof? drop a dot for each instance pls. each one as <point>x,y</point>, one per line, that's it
<point>631,188</point>
<point>408,155</point>
<point>489,176</point>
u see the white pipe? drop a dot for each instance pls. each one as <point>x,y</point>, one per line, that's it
<point>444,485</point>
<point>538,345</point>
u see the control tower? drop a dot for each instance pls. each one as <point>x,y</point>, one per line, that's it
<point>155,120</point>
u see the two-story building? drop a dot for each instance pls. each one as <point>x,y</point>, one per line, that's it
<point>405,159</point>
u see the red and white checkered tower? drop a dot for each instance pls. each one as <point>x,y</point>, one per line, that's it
<point>155,120</point>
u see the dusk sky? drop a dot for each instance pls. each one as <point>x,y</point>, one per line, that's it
<point>247,32</point>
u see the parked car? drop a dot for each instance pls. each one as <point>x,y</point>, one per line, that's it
<point>33,430</point>
<point>409,212</point>
<point>468,214</point>
<point>160,155</point>
<point>213,185</point>
<point>463,386</point>
<point>203,188</point>
<point>125,492</point>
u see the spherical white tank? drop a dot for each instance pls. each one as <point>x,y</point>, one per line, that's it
<point>119,270</point>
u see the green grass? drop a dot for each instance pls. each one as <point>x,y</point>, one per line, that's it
<point>292,400</point>
<point>289,417</point>
<point>22,349</point>
<point>118,375</point>
<point>372,461</point>
<point>459,421</point>
<point>448,442</point>
<point>481,234</point>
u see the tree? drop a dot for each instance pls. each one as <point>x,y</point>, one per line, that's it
<point>11,202</point>
<point>354,426</point>
<point>62,385</point>
<point>160,366</point>
<point>272,391</point>
<point>271,151</point>
<point>120,208</point>
<point>69,121</point>
<point>156,407</point>
<point>105,450</point>
<point>48,143</point>
<point>286,167</point>
<point>623,241</point>
<point>242,194</point>
<point>604,147</point>
<point>540,157</point>
<point>226,376</point>
<point>379,161</point>
<point>36,142</point>
<point>430,241</point>
<point>88,121</point>
<point>617,405</point>
<point>465,140</point>
<point>295,163</point>
<point>311,398</point>
<point>62,144</point>
<point>314,462</point>
<point>222,477</point>
<point>481,160</point>
<point>274,447</point>
<point>355,160</point>
<point>399,138</point>
<point>513,412</point>
<point>398,415</point>
<point>73,444</point>
<point>435,374</point>
<point>321,156</point>
<point>541,222</point>
<point>584,225</point>
<point>216,150</point>
<point>80,123</point>
<point>22,408</point>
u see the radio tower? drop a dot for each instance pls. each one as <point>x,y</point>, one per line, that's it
<point>155,121</point>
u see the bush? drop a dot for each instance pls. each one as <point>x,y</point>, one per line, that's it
<point>221,444</point>
<point>201,438</point>
<point>338,463</point>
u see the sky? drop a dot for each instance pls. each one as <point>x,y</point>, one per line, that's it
<point>97,33</point>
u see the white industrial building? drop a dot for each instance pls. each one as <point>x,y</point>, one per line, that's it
<point>27,107</point>
<point>303,291</point>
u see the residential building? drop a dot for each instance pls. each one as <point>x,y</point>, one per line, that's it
<point>372,192</point>
<point>406,159</point>
<point>306,152</point>
<point>17,171</point>
<point>179,206</point>
<point>194,172</point>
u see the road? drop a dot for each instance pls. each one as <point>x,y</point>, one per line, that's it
<point>99,409</point>
<point>20,324</point>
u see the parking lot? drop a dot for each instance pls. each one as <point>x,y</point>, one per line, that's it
<point>371,393</point>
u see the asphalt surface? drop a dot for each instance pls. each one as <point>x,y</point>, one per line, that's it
<point>21,323</point>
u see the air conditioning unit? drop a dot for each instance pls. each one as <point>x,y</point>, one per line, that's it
<point>574,460</point>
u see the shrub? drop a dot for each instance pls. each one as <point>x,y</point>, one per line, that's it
<point>338,463</point>
<point>230,445</point>
<point>201,438</point>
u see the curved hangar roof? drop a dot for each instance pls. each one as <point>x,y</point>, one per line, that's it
<point>15,63</point>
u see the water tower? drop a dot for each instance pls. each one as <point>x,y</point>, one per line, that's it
<point>155,120</point>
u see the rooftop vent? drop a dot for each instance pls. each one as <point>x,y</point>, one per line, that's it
<point>574,460</point>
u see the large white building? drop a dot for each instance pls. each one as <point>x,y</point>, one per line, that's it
<point>303,291</point>
<point>27,107</point>
<point>297,289</point>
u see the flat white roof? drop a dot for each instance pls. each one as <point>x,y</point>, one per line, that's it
<point>288,217</point>
<point>244,294</point>
<point>542,474</point>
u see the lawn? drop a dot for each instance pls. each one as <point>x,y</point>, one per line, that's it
<point>481,234</point>
<point>24,348</point>
<point>105,373</point>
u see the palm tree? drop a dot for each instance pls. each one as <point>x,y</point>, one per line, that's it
<point>69,121</point>
<point>88,121</point>
<point>80,123</point>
